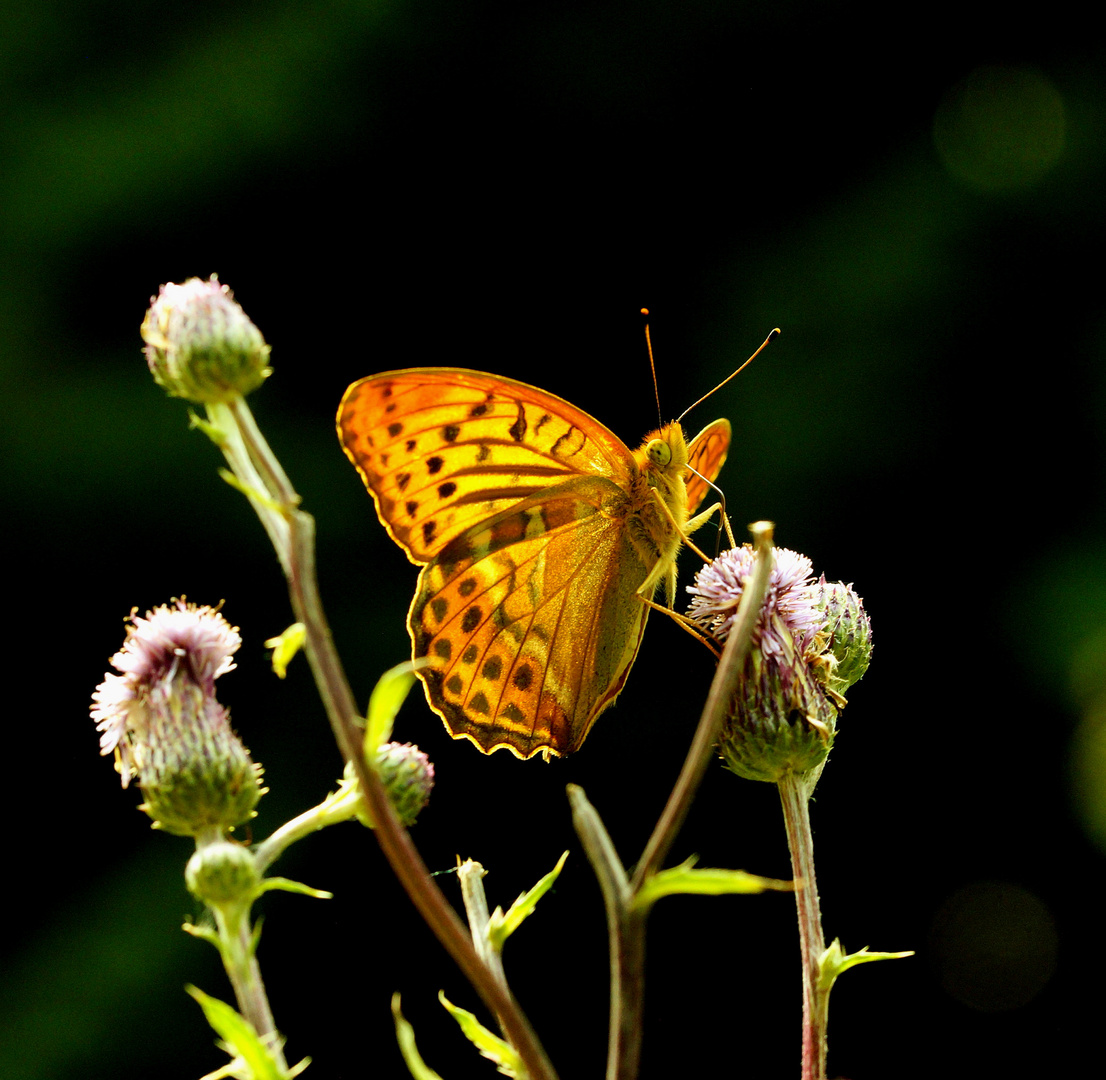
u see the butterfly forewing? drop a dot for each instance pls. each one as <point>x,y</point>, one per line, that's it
<point>442,449</point>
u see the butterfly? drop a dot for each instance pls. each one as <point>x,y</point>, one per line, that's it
<point>540,535</point>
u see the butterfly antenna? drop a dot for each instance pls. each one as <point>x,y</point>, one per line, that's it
<point>652,365</point>
<point>775,334</point>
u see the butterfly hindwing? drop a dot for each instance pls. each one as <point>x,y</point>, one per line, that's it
<point>706,454</point>
<point>529,620</point>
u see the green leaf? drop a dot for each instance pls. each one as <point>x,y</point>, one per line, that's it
<point>501,927</point>
<point>286,646</point>
<point>489,1044</point>
<point>288,885</point>
<point>405,1036</point>
<point>707,881</point>
<point>252,1058</point>
<point>388,695</point>
<point>252,493</point>
<point>215,433</point>
<point>834,961</point>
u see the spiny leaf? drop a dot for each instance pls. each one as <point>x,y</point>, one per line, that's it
<point>501,927</point>
<point>405,1036</point>
<point>488,1043</point>
<point>707,881</point>
<point>834,961</point>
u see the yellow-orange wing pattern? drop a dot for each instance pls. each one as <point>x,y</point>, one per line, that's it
<point>706,454</point>
<point>538,531</point>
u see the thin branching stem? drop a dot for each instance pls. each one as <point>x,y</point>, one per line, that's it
<point>292,532</point>
<point>718,702</point>
<point>625,918</point>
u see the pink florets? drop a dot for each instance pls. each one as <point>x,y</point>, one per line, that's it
<point>179,639</point>
<point>791,595</point>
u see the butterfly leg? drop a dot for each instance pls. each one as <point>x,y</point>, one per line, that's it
<point>684,622</point>
<point>666,570</point>
<point>702,518</point>
<point>690,525</point>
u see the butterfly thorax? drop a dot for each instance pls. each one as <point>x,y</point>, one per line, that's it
<point>661,461</point>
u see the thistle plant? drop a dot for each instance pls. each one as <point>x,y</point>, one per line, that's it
<point>790,649</point>
<point>811,642</point>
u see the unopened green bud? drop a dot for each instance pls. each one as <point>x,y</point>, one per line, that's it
<point>201,345</point>
<point>407,775</point>
<point>848,636</point>
<point>221,873</point>
<point>161,719</point>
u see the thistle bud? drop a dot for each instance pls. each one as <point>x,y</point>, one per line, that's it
<point>407,775</point>
<point>221,873</point>
<point>784,714</point>
<point>201,345</point>
<point>161,720</point>
<point>848,632</point>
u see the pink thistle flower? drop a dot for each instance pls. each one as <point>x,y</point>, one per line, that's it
<point>160,718</point>
<point>811,641</point>
<point>719,585</point>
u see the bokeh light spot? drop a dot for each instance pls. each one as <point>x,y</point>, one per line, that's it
<point>1000,128</point>
<point>994,944</point>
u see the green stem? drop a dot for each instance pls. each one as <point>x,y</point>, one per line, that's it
<point>625,937</point>
<point>336,808</point>
<point>795,794</point>
<point>240,961</point>
<point>292,532</point>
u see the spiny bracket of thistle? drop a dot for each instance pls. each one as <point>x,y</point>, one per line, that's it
<point>224,874</point>
<point>387,696</point>
<point>811,643</point>
<point>252,491</point>
<point>491,931</point>
<point>251,1055</point>
<point>687,878</point>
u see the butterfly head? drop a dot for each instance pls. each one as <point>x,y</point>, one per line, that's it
<point>664,452</point>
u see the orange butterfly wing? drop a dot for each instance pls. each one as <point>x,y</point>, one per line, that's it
<point>531,619</point>
<point>706,454</point>
<point>520,505</point>
<point>442,449</point>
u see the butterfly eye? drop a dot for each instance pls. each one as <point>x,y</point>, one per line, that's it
<point>660,453</point>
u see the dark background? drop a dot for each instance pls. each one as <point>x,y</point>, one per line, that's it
<point>503,186</point>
